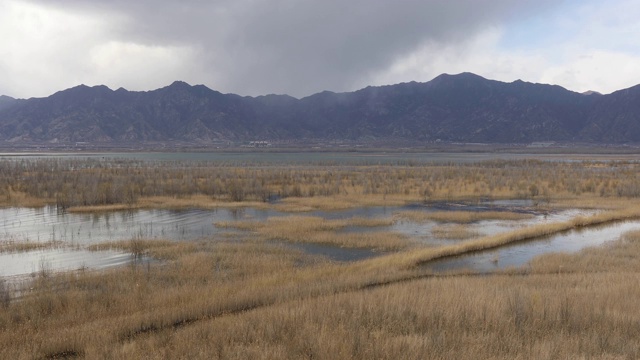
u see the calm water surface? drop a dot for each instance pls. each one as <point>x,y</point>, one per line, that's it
<point>345,158</point>
<point>48,224</point>
<point>519,254</point>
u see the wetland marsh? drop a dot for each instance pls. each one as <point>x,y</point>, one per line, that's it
<point>272,250</point>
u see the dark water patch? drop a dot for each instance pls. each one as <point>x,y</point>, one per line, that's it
<point>295,158</point>
<point>362,229</point>
<point>517,206</point>
<point>519,254</point>
<point>373,212</point>
<point>337,253</point>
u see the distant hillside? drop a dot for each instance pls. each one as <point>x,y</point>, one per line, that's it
<point>459,108</point>
<point>6,102</point>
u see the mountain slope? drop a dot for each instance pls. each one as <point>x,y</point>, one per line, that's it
<point>461,108</point>
<point>6,102</point>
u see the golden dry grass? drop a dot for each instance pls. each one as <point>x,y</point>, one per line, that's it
<point>113,307</point>
<point>20,198</point>
<point>313,229</point>
<point>20,245</point>
<point>237,300</point>
<point>75,183</point>
<point>244,297</point>
<point>501,317</point>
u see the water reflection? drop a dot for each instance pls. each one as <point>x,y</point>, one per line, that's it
<point>49,224</point>
<point>45,261</point>
<point>519,254</point>
<point>76,231</point>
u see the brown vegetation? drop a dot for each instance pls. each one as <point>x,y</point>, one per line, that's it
<point>310,229</point>
<point>247,297</point>
<point>13,245</point>
<point>75,183</point>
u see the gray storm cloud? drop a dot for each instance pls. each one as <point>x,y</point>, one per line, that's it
<point>298,47</point>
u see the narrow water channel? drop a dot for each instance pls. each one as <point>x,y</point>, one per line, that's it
<point>519,254</point>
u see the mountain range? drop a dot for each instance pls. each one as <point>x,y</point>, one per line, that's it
<point>450,108</point>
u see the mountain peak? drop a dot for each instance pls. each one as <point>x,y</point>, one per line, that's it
<point>179,84</point>
<point>460,76</point>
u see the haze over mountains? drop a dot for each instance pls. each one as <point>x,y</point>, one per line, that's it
<point>450,108</point>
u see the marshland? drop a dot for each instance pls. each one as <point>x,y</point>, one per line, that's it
<point>376,256</point>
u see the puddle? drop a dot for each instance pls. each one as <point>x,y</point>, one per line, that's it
<point>363,212</point>
<point>520,254</point>
<point>337,253</point>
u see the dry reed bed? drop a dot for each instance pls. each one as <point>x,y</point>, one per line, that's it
<point>541,315</point>
<point>23,246</point>
<point>591,313</point>
<point>222,298</point>
<point>255,300</point>
<point>313,229</point>
<point>499,317</point>
<point>87,313</point>
<point>108,182</point>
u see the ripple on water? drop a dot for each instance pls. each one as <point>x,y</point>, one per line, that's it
<point>32,262</point>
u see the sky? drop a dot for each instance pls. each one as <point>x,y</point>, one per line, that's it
<point>300,47</point>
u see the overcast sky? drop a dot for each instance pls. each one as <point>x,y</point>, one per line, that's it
<point>299,47</point>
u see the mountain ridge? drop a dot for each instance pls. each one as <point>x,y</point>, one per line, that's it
<point>455,108</point>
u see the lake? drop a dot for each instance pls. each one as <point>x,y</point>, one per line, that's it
<point>299,158</point>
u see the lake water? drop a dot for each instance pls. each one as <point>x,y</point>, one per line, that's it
<point>288,158</point>
<point>48,224</point>
<point>34,262</point>
<point>77,231</point>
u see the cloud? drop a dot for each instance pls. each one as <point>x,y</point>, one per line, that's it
<point>602,71</point>
<point>585,47</point>
<point>129,65</point>
<point>45,49</point>
<point>250,47</point>
<point>479,54</point>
